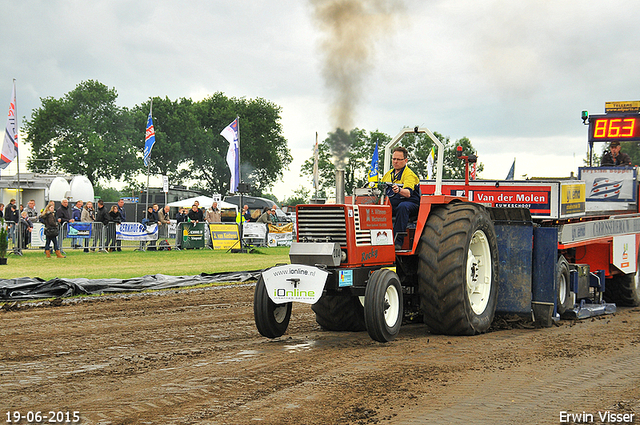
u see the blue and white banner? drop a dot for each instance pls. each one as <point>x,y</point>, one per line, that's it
<point>79,230</point>
<point>136,232</point>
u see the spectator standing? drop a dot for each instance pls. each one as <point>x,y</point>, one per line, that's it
<point>102,216</point>
<point>26,226</point>
<point>63,215</point>
<point>164,220</point>
<point>213,214</point>
<point>114,218</point>
<point>1,210</point>
<point>89,216</point>
<point>51,226</point>
<point>195,214</point>
<point>246,214</point>
<point>181,216</point>
<point>76,214</point>
<point>615,158</point>
<point>123,218</point>
<point>13,217</point>
<point>32,213</point>
<point>266,216</point>
<point>151,217</point>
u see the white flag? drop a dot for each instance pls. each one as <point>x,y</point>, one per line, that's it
<point>230,133</point>
<point>430,164</point>
<point>10,145</point>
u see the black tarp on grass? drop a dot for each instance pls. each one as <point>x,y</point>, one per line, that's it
<point>32,288</point>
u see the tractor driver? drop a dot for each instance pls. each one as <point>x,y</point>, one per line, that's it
<point>404,194</point>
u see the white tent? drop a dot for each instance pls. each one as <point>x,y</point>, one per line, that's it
<point>205,202</point>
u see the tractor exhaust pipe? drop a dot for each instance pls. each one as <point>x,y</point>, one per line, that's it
<point>339,186</point>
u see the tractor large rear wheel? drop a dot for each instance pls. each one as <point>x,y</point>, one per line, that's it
<point>339,313</point>
<point>458,270</point>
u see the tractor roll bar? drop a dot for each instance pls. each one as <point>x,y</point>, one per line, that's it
<point>417,130</point>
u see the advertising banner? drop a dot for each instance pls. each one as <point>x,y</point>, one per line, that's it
<point>224,235</point>
<point>254,233</point>
<point>38,238</point>
<point>79,230</point>
<point>192,235</point>
<point>280,235</point>
<point>610,184</point>
<point>136,232</point>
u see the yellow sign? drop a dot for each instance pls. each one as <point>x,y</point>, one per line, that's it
<point>572,200</point>
<point>225,235</point>
<point>629,106</point>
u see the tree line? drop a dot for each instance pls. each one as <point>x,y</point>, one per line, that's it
<point>85,132</point>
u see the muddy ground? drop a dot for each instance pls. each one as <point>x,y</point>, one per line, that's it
<point>195,357</point>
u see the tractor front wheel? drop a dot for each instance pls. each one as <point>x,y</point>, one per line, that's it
<point>383,305</point>
<point>271,319</point>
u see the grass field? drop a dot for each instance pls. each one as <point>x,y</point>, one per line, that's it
<point>129,263</point>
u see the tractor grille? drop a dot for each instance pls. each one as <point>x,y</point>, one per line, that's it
<point>363,237</point>
<point>322,224</point>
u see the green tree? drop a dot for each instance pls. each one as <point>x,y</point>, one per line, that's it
<point>264,153</point>
<point>301,195</point>
<point>84,133</point>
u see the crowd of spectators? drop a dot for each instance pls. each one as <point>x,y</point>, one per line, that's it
<point>21,221</point>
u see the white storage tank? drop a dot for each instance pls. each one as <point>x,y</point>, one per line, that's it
<point>59,189</point>
<point>81,189</point>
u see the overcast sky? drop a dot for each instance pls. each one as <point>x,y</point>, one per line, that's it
<point>512,76</point>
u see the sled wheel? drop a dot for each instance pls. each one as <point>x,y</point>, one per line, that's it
<point>563,286</point>
<point>271,319</point>
<point>383,305</point>
<point>458,270</point>
<point>339,313</point>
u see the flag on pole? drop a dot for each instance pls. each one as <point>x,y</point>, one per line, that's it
<point>231,134</point>
<point>373,169</point>
<point>149,140</point>
<point>10,145</point>
<point>512,170</point>
<point>316,174</point>
<point>430,161</point>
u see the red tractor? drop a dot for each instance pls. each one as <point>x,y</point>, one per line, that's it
<point>344,263</point>
<point>543,248</point>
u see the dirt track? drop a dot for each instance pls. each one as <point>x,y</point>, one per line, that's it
<point>195,357</point>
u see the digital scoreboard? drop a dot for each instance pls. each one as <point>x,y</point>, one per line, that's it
<point>606,128</point>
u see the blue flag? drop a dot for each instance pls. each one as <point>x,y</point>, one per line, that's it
<point>512,171</point>
<point>373,169</point>
<point>149,140</point>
